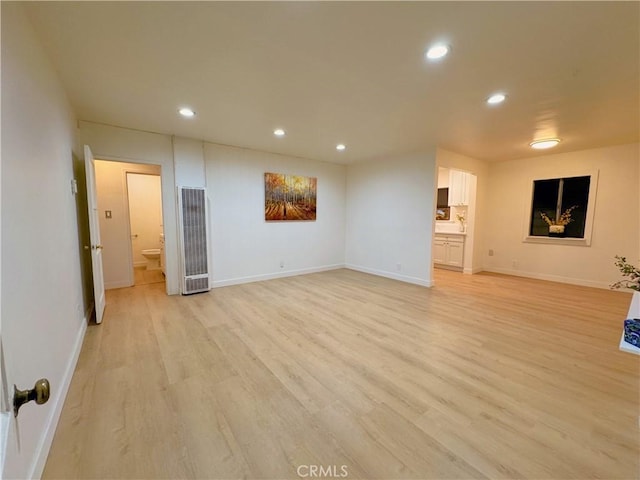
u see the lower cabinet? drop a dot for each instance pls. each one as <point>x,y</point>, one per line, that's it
<point>448,250</point>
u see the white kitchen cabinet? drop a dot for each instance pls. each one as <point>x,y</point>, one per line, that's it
<point>439,250</point>
<point>448,250</point>
<point>459,183</point>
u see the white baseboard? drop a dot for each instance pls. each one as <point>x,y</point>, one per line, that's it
<point>550,278</point>
<point>473,271</point>
<point>392,275</point>
<point>443,266</point>
<point>271,276</point>
<point>60,394</point>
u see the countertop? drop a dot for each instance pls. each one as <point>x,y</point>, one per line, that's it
<point>440,232</point>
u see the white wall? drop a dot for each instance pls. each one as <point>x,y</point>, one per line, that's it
<point>111,186</point>
<point>390,216</point>
<point>42,303</point>
<point>616,228</point>
<point>477,211</point>
<point>188,157</point>
<point>122,144</point>
<point>245,247</point>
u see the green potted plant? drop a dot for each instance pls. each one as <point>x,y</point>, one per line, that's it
<point>630,273</point>
<point>631,281</point>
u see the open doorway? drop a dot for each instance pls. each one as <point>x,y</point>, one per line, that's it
<point>455,220</point>
<point>144,195</point>
<point>123,242</point>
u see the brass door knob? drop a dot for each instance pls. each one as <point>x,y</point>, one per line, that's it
<point>39,393</point>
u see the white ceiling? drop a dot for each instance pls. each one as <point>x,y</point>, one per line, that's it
<point>354,72</point>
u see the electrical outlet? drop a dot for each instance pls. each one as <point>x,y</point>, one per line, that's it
<point>491,252</point>
<point>398,266</point>
<point>514,263</point>
<point>281,263</point>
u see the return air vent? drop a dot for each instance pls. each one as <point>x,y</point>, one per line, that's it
<point>194,239</point>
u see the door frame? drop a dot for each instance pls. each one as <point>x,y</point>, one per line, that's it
<point>172,285</point>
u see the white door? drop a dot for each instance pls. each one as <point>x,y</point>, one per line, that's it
<point>94,234</point>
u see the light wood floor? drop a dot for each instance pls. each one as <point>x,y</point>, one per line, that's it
<point>482,376</point>
<point>142,276</point>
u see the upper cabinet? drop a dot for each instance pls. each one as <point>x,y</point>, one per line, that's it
<point>459,183</point>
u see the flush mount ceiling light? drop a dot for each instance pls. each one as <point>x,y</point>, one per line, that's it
<point>545,143</point>
<point>187,112</point>
<point>278,132</point>
<point>496,98</point>
<point>340,147</point>
<point>437,51</point>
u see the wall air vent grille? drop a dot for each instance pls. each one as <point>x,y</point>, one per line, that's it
<point>194,239</point>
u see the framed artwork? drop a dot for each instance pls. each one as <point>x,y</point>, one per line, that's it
<point>289,197</point>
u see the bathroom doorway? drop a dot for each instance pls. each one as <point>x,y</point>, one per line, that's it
<point>144,195</point>
<point>122,253</point>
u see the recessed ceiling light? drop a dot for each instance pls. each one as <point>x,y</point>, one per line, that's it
<point>341,146</point>
<point>437,51</point>
<point>187,112</point>
<point>278,132</point>
<point>496,98</point>
<point>546,143</point>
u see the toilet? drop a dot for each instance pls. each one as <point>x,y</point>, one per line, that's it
<point>153,258</point>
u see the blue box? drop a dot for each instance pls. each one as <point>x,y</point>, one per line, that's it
<point>632,331</point>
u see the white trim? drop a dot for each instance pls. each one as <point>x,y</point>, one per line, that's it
<point>547,277</point>
<point>42,450</point>
<point>5,411</point>
<point>472,270</point>
<point>444,266</point>
<point>394,276</point>
<point>5,420</point>
<point>576,242</point>
<point>271,276</point>
<point>591,210</point>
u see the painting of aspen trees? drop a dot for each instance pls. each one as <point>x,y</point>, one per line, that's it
<point>289,197</point>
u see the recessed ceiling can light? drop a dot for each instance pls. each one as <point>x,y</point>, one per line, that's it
<point>546,143</point>
<point>496,98</point>
<point>437,51</point>
<point>278,132</point>
<point>187,112</point>
<point>341,147</point>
